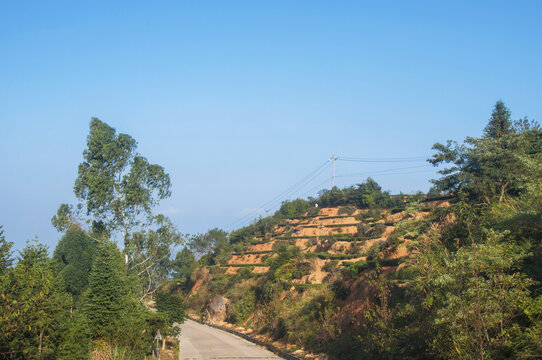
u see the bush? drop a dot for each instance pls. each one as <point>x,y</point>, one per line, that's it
<point>340,290</point>
<point>173,305</point>
<point>348,210</point>
<point>241,309</point>
<point>353,270</point>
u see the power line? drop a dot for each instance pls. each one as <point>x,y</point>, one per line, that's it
<point>267,206</point>
<point>385,171</point>
<point>279,198</point>
<point>396,173</point>
<point>383,160</point>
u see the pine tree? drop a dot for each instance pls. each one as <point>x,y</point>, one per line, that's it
<point>107,295</point>
<point>499,123</point>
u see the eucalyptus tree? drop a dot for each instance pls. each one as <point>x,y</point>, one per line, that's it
<point>119,189</point>
<point>117,185</point>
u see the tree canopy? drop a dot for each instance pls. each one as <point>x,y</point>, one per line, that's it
<point>117,184</point>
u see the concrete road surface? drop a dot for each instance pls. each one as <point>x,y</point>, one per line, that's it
<point>204,343</point>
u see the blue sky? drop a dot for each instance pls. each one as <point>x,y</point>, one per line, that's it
<point>239,100</point>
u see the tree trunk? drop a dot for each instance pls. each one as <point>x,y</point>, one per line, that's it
<point>164,343</point>
<point>39,346</point>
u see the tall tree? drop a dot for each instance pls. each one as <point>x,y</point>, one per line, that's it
<point>111,309</point>
<point>118,185</point>
<point>108,294</point>
<point>499,123</point>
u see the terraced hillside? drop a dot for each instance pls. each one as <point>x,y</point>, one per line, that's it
<point>313,276</point>
<point>331,236</point>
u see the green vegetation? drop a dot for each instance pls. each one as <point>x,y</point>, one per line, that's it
<point>85,301</point>
<point>470,287</point>
<point>460,281</point>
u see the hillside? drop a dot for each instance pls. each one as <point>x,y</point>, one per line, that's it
<point>316,265</point>
<point>340,233</point>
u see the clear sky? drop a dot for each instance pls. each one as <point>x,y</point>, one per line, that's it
<point>239,100</point>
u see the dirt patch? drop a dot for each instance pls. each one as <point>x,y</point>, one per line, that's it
<point>339,247</point>
<point>395,217</point>
<point>302,243</point>
<point>246,259</point>
<point>421,215</point>
<point>201,277</point>
<point>329,211</point>
<point>317,275</point>
<point>261,247</point>
<point>322,231</point>
<point>336,221</point>
<point>232,270</point>
<point>400,252</point>
<point>260,269</point>
<point>369,243</point>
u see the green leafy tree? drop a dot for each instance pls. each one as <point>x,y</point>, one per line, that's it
<point>151,252</point>
<point>75,340</point>
<point>64,218</point>
<point>184,265</point>
<point>213,241</point>
<point>489,168</point>
<point>118,185</point>
<point>477,293</point>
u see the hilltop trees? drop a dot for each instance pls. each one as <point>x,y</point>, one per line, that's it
<point>493,167</point>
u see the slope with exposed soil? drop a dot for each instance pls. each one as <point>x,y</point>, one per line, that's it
<point>337,246</point>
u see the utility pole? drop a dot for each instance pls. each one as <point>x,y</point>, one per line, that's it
<point>333,158</point>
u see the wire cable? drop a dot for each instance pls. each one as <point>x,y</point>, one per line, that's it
<point>279,198</point>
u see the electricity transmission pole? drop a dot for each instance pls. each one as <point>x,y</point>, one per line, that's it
<point>333,158</point>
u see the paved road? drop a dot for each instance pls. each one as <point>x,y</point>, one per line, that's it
<point>205,343</point>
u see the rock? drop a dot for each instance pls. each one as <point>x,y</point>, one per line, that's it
<point>217,309</point>
<point>322,357</point>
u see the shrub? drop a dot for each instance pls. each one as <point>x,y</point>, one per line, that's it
<point>348,210</point>
<point>340,290</point>
<point>352,270</point>
<point>241,309</point>
<point>171,304</point>
<point>331,265</point>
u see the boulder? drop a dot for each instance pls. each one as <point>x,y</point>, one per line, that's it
<point>217,310</point>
